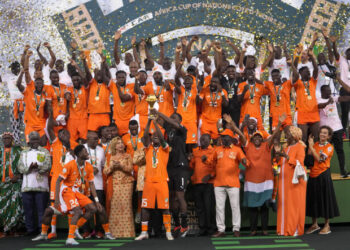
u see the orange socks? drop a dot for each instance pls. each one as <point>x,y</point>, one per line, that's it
<point>70,216</point>
<point>81,222</point>
<point>144,226</point>
<point>105,227</point>
<point>71,232</point>
<point>44,229</point>
<point>54,220</point>
<point>167,222</point>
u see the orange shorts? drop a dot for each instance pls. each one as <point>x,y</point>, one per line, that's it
<point>211,128</point>
<point>77,128</point>
<point>74,199</point>
<point>28,129</point>
<point>191,131</point>
<point>98,120</point>
<point>153,191</point>
<point>123,126</point>
<point>287,122</point>
<point>304,118</point>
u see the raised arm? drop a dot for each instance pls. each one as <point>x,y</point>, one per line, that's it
<point>52,55</point>
<point>105,69</point>
<point>333,39</point>
<point>146,139</point>
<point>343,84</point>
<point>241,58</point>
<point>295,75</point>
<point>19,84</point>
<point>277,131</point>
<point>311,150</point>
<point>329,46</point>
<point>161,50</point>
<point>123,97</point>
<point>26,48</point>
<point>28,77</point>
<point>285,51</point>
<point>80,72</point>
<point>314,39</point>
<point>160,134</point>
<point>231,125</point>
<point>270,58</point>
<point>42,58</point>
<point>50,126</point>
<point>117,36</point>
<point>236,50</point>
<point>148,55</point>
<point>188,48</point>
<point>88,75</point>
<point>134,51</point>
<point>168,119</point>
<point>314,64</point>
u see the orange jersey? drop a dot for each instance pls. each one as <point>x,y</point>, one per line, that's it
<point>226,161</point>
<point>200,168</point>
<point>34,114</point>
<point>165,100</point>
<point>132,143</point>
<point>187,106</point>
<point>156,164</point>
<point>141,106</point>
<point>78,106</point>
<point>211,104</point>
<point>251,99</point>
<point>306,103</point>
<point>98,98</point>
<point>58,102</point>
<point>277,108</point>
<point>320,167</point>
<point>122,110</point>
<point>75,177</point>
<point>59,154</point>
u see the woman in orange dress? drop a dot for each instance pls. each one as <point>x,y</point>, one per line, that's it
<point>291,197</point>
<point>121,218</point>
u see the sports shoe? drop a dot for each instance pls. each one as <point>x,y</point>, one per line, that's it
<point>109,236</point>
<point>345,175</point>
<point>52,236</point>
<point>99,235</point>
<point>142,236</point>
<point>176,231</point>
<point>183,232</point>
<point>40,237</point>
<point>169,236</point>
<point>78,235</point>
<point>138,218</point>
<point>86,235</point>
<point>71,242</point>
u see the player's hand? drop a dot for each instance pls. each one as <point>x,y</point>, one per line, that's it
<point>96,171</point>
<point>324,32</point>
<point>46,45</point>
<point>333,39</point>
<point>190,156</point>
<point>133,40</point>
<point>99,207</point>
<point>74,44</point>
<point>68,96</point>
<point>26,47</point>
<point>195,38</point>
<point>246,87</point>
<point>227,118</point>
<point>73,63</point>
<point>285,46</point>
<point>184,41</point>
<point>160,39</point>
<point>204,158</point>
<point>38,47</point>
<point>330,101</point>
<point>270,48</point>
<point>311,141</point>
<point>206,178</point>
<point>29,53</point>
<point>315,36</point>
<point>282,118</point>
<point>117,35</point>
<point>277,147</point>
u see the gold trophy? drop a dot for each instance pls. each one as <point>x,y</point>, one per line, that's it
<point>151,99</point>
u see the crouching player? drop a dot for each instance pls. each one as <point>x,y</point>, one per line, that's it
<point>76,177</point>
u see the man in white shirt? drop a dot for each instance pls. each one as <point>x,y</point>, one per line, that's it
<point>34,164</point>
<point>280,62</point>
<point>327,105</point>
<point>63,74</point>
<point>344,68</point>
<point>97,160</point>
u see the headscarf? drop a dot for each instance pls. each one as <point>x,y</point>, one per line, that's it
<point>297,134</point>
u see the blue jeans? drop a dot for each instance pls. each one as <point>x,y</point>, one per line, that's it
<point>31,201</point>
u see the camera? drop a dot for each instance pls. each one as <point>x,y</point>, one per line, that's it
<point>332,71</point>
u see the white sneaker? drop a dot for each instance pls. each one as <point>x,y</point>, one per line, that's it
<point>169,236</point>
<point>109,236</point>
<point>78,235</point>
<point>138,218</point>
<point>142,236</point>
<point>40,237</point>
<point>71,242</point>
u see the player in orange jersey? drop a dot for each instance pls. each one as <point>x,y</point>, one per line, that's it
<point>77,181</point>
<point>156,181</point>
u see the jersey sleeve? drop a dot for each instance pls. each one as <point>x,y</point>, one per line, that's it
<point>240,88</point>
<point>65,171</point>
<point>89,172</point>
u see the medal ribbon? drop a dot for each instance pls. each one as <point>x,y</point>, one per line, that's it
<point>160,91</point>
<point>76,94</point>
<point>134,144</point>
<point>92,163</point>
<point>98,89</point>
<point>154,158</point>
<point>252,93</point>
<point>58,95</point>
<point>187,94</point>
<point>307,87</point>
<point>278,97</point>
<point>211,97</point>
<point>37,105</point>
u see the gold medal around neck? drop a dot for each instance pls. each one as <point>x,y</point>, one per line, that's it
<point>122,104</point>
<point>154,165</point>
<point>309,97</point>
<point>252,101</point>
<point>74,105</point>
<point>97,98</point>
<point>83,187</point>
<point>277,104</point>
<point>185,108</point>
<point>37,113</point>
<point>230,96</point>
